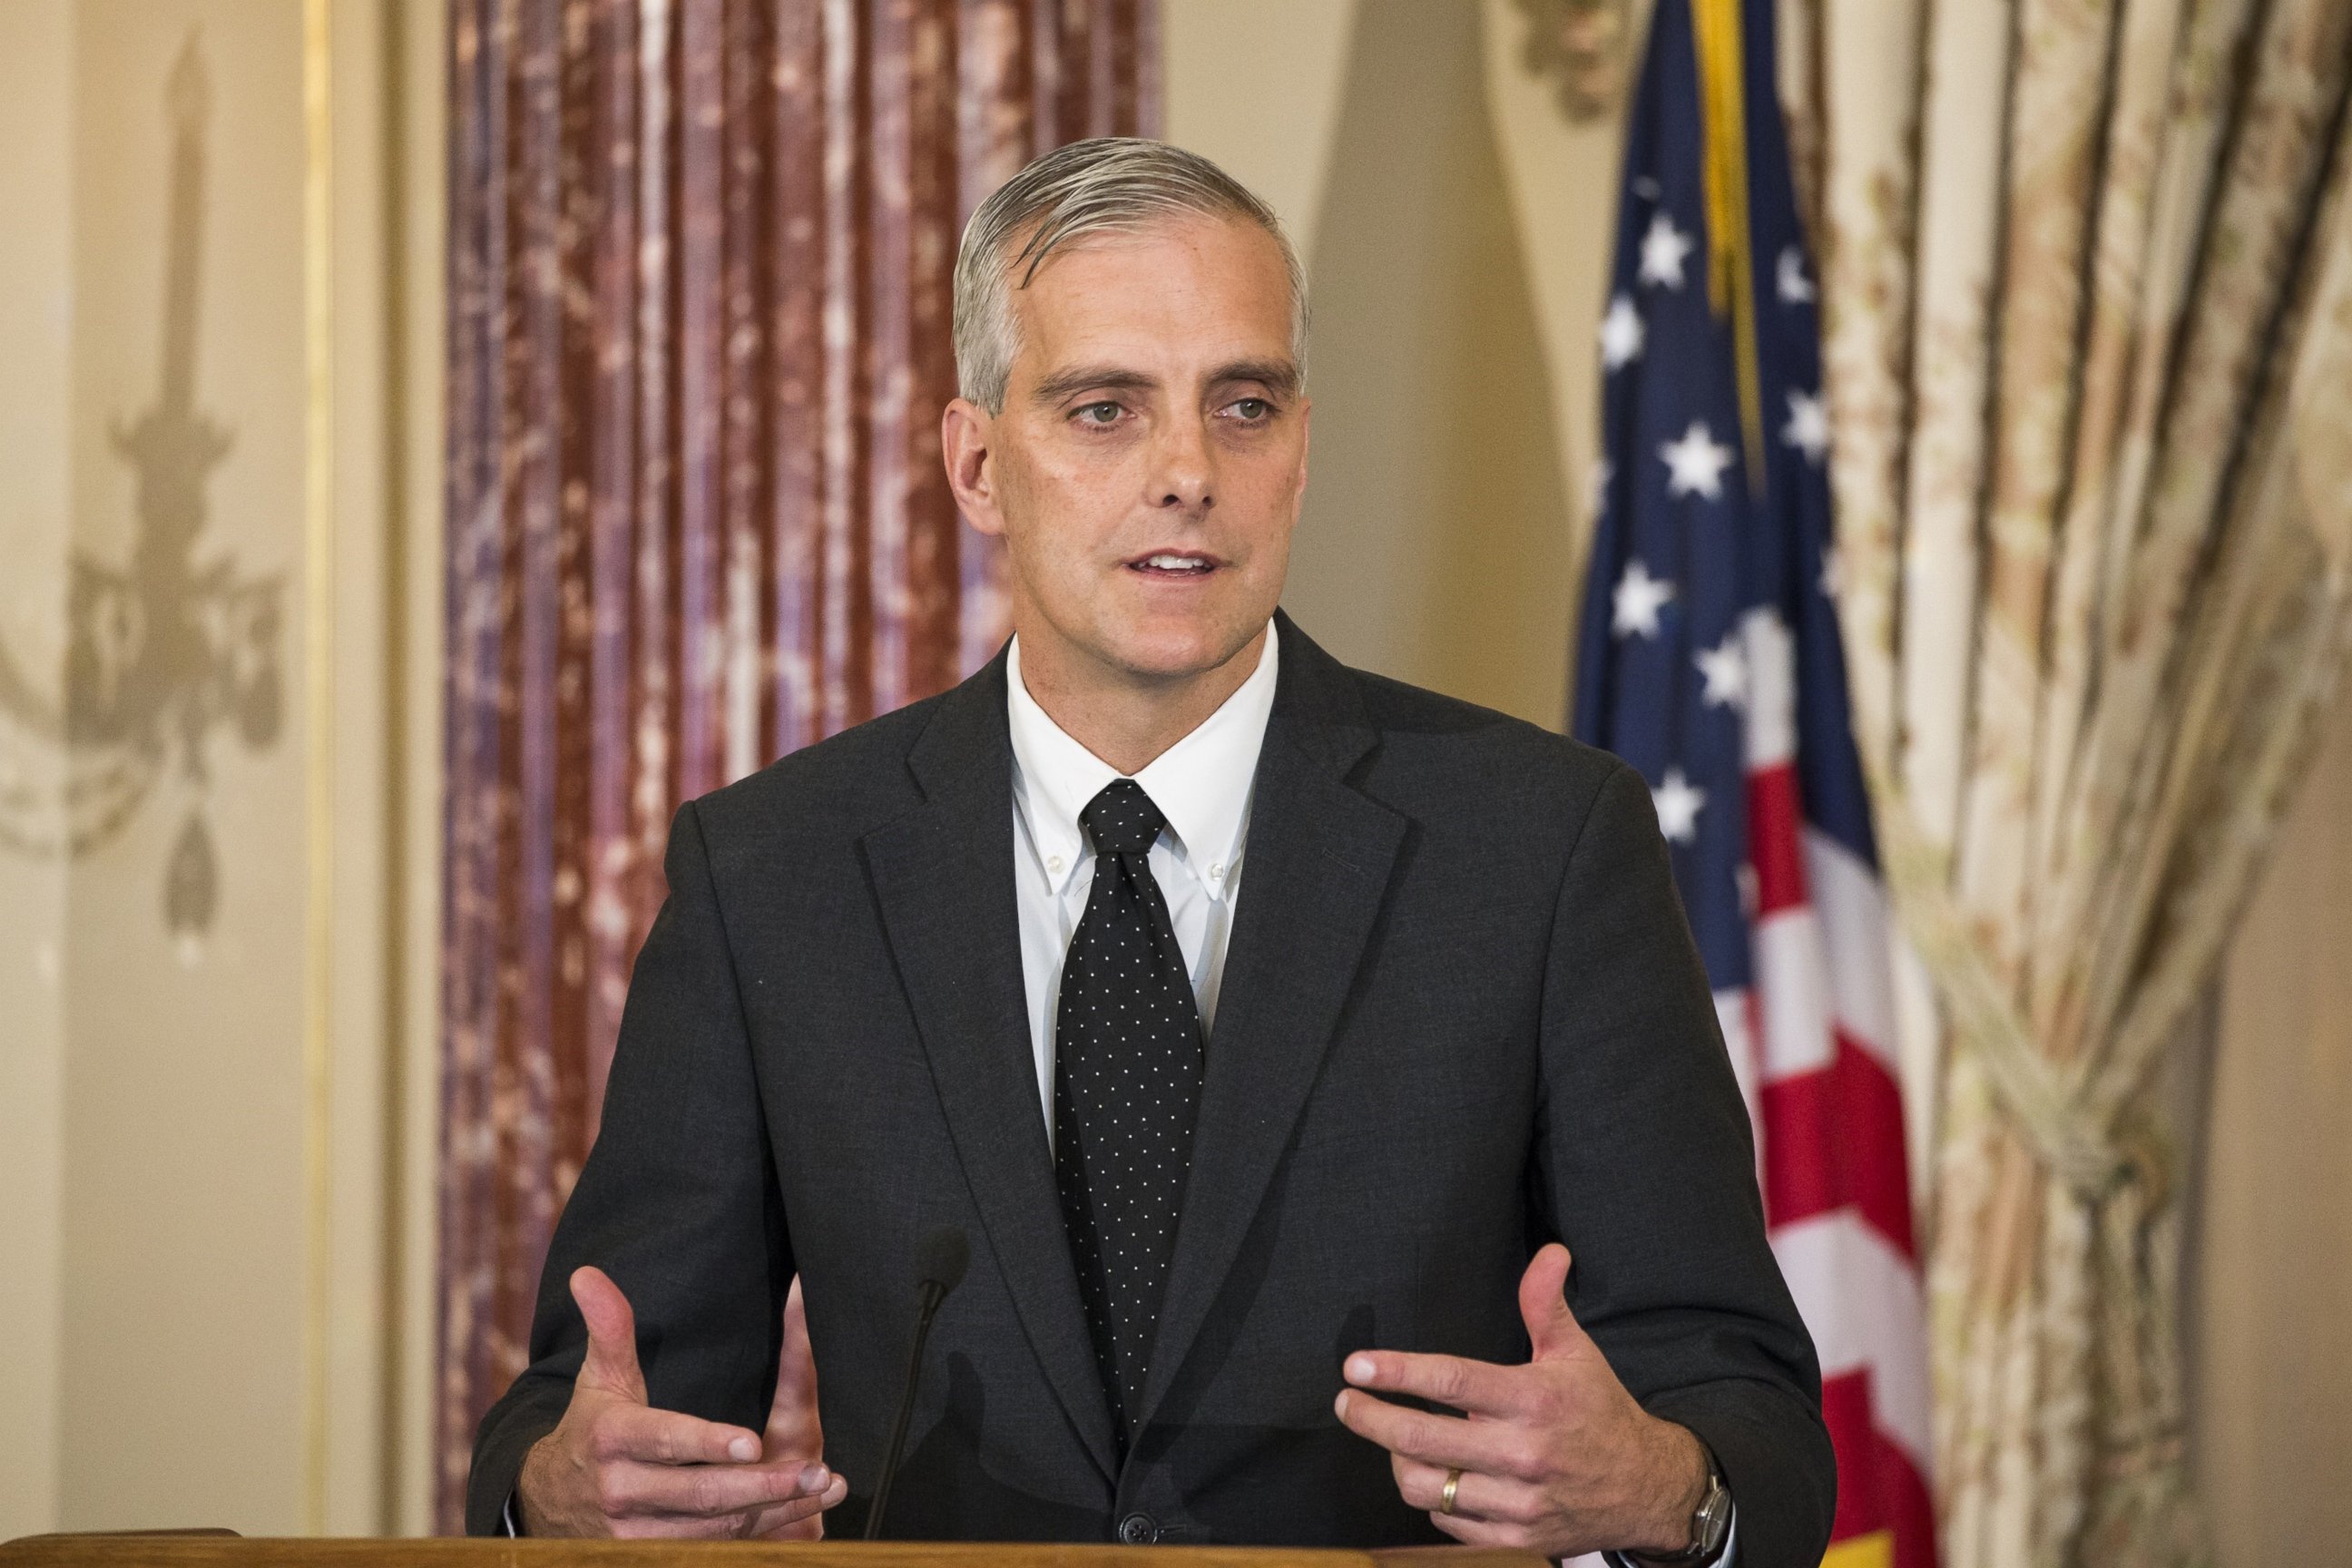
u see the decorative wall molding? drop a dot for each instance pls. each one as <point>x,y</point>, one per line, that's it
<point>1580,44</point>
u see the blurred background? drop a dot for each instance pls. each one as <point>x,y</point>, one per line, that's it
<point>438,437</point>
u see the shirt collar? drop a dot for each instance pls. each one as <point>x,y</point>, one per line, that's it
<point>1202,784</point>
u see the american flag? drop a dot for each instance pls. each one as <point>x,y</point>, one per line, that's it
<point>1710,659</point>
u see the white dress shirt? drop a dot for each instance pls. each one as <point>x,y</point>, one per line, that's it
<point>1201,784</point>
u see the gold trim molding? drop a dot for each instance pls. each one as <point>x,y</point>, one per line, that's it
<point>318,588</point>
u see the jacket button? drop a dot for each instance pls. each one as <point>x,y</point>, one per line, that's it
<point>1137,1529</point>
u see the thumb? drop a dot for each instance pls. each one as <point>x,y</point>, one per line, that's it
<point>1553,1328</point>
<point>612,1360</point>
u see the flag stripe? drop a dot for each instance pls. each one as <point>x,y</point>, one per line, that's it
<point>1774,843</point>
<point>1794,988</point>
<point>1861,1299</point>
<point>1892,1500</point>
<point>1850,905</point>
<point>1837,1141</point>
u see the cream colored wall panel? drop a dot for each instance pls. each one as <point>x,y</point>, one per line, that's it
<point>416,170</point>
<point>1255,87</point>
<point>221,422</point>
<point>35,502</point>
<point>184,1201</point>
<point>1562,176</point>
<point>351,1409</point>
<point>1436,540</point>
<point>2271,1410</point>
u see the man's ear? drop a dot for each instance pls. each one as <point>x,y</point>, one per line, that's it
<point>1305,441</point>
<point>967,432</point>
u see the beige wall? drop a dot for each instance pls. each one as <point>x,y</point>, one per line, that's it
<point>2271,1356</point>
<point>201,1134</point>
<point>35,342</point>
<point>181,1278</point>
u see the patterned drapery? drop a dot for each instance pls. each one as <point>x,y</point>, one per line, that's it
<point>699,254</point>
<point>2087,287</point>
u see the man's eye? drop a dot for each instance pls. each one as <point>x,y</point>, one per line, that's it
<point>1098,412</point>
<point>1253,409</point>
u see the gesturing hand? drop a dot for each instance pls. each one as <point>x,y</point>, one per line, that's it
<point>616,1466</point>
<point>1555,1457</point>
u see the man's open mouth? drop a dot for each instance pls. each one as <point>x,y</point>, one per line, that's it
<point>1172,563</point>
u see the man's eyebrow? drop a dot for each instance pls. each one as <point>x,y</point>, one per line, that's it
<point>1279,376</point>
<point>1090,378</point>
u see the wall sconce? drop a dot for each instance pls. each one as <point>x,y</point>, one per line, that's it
<point>1581,44</point>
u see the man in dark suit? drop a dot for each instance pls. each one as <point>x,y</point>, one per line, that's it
<point>1261,1190</point>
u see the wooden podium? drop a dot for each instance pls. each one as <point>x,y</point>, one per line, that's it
<point>222,1549</point>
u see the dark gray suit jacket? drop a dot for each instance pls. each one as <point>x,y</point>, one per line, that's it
<point>1461,1014</point>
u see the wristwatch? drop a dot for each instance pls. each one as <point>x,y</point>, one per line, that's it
<point>1710,1523</point>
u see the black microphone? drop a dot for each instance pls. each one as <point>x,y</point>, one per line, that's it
<point>941,1258</point>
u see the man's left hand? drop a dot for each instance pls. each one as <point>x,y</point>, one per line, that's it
<point>1555,1457</point>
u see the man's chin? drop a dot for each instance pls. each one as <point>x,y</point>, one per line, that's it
<point>1176,657</point>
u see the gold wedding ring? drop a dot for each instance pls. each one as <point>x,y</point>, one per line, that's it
<point>1446,1498</point>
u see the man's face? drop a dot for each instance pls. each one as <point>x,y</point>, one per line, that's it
<point>1147,467</point>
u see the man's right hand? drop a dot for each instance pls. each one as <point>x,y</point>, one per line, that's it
<point>616,1466</point>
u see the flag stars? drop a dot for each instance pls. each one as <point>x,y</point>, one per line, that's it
<point>1694,464</point>
<point>1638,599</point>
<point>1789,278</point>
<point>1832,581</point>
<point>1678,804</point>
<point>1620,334</point>
<point>1808,428</point>
<point>1665,249</point>
<point>1724,668</point>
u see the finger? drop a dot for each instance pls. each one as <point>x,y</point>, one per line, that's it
<point>1475,1496</point>
<point>1477,1386</point>
<point>610,1363</point>
<point>678,1527</point>
<point>1552,1328</point>
<point>1481,1532</point>
<point>707,1491</point>
<point>800,1520</point>
<point>650,1436</point>
<point>794,1429</point>
<point>1440,1440</point>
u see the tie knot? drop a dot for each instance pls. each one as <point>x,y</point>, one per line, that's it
<point>1122,820</point>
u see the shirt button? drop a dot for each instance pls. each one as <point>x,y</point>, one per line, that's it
<point>1053,864</point>
<point>1137,1529</point>
<point>1217,872</point>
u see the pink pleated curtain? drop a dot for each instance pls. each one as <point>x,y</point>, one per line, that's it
<point>699,258</point>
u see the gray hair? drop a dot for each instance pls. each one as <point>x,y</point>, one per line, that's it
<point>1107,184</point>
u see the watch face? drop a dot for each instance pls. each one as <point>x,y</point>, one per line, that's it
<point>1713,1518</point>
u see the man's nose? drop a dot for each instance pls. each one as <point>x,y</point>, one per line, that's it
<point>1183,473</point>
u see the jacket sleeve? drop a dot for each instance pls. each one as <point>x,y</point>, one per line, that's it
<point>1646,1167</point>
<point>677,1201</point>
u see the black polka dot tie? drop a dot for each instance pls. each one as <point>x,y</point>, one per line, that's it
<point>1127,1089</point>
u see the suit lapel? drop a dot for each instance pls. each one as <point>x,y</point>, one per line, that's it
<point>1315,875</point>
<point>943,877</point>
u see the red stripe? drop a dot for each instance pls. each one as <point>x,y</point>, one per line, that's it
<point>1878,1485</point>
<point>1776,838</point>
<point>1833,1139</point>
